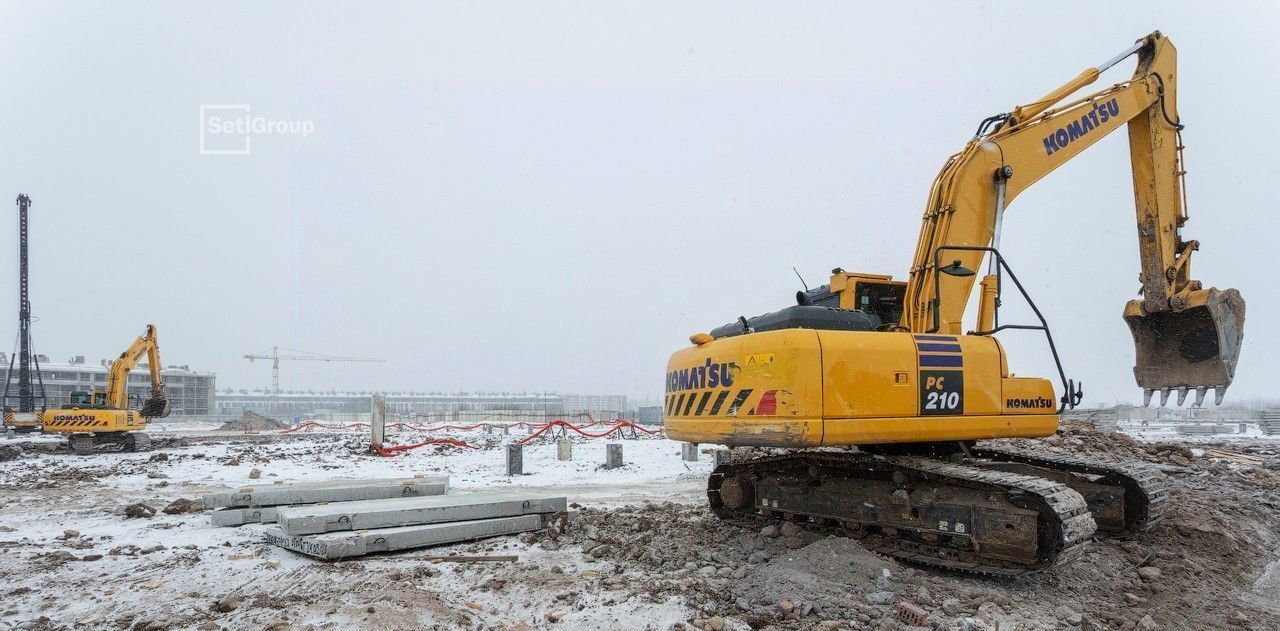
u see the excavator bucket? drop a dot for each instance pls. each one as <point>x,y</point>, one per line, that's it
<point>1194,349</point>
<point>156,406</point>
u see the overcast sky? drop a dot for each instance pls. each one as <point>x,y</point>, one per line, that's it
<point>554,196</point>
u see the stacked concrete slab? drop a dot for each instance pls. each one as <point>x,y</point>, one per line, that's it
<point>341,545</point>
<point>1203,429</point>
<point>1269,420</point>
<point>338,519</point>
<point>259,503</point>
<point>369,514</point>
<point>346,529</point>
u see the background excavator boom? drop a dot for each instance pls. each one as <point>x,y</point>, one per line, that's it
<point>117,393</point>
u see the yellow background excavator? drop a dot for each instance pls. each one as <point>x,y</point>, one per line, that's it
<point>884,365</point>
<point>105,416</point>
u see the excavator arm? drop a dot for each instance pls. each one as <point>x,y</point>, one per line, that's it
<point>155,406</point>
<point>1186,337</point>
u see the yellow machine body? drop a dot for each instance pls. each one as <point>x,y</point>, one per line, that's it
<point>108,411</point>
<point>868,360</point>
<point>809,388</point>
<point>73,420</point>
<point>23,420</point>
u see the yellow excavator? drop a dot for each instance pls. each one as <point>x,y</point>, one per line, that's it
<point>866,399</point>
<point>105,417</point>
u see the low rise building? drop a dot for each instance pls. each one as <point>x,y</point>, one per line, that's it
<point>461,405</point>
<point>190,393</point>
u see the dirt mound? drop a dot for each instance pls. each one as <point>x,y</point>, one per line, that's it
<point>252,421</point>
<point>10,452</point>
<point>1208,564</point>
<point>183,505</point>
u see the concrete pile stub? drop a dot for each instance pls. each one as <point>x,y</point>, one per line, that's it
<point>689,452</point>
<point>515,459</point>
<point>377,421</point>
<point>564,449</point>
<point>613,455</point>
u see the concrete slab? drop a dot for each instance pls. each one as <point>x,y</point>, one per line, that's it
<point>411,511</point>
<point>242,516</point>
<point>328,491</point>
<point>342,545</point>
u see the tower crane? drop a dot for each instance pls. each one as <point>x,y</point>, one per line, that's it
<point>297,355</point>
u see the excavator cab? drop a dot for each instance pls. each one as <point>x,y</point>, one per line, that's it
<point>876,295</point>
<point>1193,348</point>
<point>155,406</point>
<point>82,399</point>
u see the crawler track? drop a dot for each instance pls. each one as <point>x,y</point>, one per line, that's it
<point>1124,498</point>
<point>945,514</point>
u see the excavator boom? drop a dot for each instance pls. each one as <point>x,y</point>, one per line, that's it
<point>146,345</point>
<point>1186,337</point>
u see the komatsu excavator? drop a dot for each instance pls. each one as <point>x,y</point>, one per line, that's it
<point>103,417</point>
<point>873,398</point>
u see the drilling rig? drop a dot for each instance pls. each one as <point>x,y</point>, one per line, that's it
<point>24,405</point>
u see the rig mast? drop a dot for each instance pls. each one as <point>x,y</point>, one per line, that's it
<point>30,396</point>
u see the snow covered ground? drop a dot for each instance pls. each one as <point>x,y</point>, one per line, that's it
<point>645,553</point>
<point>69,556</point>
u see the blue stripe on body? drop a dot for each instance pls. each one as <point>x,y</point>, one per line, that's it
<point>936,338</point>
<point>942,361</point>
<point>939,348</point>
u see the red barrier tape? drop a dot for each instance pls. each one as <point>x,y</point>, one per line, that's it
<point>620,425</point>
<point>542,427</point>
<point>467,428</point>
<point>388,451</point>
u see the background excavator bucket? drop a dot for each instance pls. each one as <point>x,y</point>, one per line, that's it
<point>1194,349</point>
<point>156,406</point>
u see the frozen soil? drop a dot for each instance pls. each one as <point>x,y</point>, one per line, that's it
<point>642,553</point>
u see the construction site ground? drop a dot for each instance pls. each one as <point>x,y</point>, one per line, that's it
<point>77,551</point>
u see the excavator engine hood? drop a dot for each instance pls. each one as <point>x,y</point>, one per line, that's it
<point>1192,349</point>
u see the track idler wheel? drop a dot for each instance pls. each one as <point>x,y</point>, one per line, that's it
<point>137,441</point>
<point>737,493</point>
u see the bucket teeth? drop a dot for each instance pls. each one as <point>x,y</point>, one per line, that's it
<point>1200,392</point>
<point>1146,397</point>
<point>1164,396</point>
<point>1218,393</point>
<point>1182,395</point>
